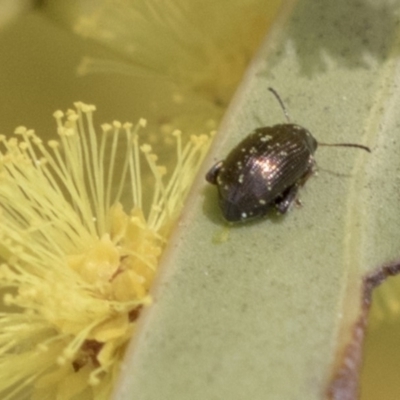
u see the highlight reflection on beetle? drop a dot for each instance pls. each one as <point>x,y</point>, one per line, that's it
<point>266,169</point>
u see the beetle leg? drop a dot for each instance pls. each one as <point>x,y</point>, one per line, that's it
<point>212,174</point>
<point>285,200</point>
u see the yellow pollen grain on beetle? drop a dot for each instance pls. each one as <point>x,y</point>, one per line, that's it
<point>80,240</point>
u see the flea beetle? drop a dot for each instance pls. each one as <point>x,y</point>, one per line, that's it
<point>266,169</point>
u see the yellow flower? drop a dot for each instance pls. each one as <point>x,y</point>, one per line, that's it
<point>78,265</point>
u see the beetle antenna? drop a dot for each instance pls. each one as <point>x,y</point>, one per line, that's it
<point>275,93</point>
<point>359,146</point>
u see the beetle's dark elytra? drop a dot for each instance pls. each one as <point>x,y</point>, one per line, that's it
<point>262,170</point>
<point>265,170</point>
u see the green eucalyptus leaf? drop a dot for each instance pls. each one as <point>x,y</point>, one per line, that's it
<point>269,312</point>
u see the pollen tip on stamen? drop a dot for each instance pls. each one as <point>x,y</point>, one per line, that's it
<point>127,125</point>
<point>73,117</point>
<point>142,122</point>
<point>106,127</point>
<point>54,144</point>
<point>12,143</point>
<point>88,108</point>
<point>43,161</point>
<point>200,139</point>
<point>197,139</point>
<point>68,132</point>
<point>93,380</point>
<point>58,114</point>
<point>116,124</point>
<point>20,130</point>
<point>177,133</point>
<point>77,105</point>
<point>85,108</point>
<point>37,140</point>
<point>146,148</point>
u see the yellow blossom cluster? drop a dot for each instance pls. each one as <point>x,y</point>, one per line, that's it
<point>76,264</point>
